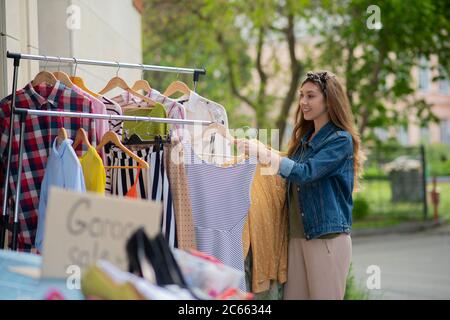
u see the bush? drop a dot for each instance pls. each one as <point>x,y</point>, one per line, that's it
<point>361,208</point>
<point>352,291</point>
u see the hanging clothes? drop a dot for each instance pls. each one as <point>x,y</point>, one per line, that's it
<point>159,191</point>
<point>266,231</point>
<point>200,108</point>
<point>101,125</point>
<point>93,171</point>
<point>132,193</point>
<point>151,184</point>
<point>63,170</point>
<point>174,109</point>
<point>123,179</point>
<point>220,199</point>
<point>144,129</point>
<point>114,109</point>
<point>179,190</point>
<point>38,138</point>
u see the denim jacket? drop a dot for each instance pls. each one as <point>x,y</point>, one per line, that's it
<point>323,171</point>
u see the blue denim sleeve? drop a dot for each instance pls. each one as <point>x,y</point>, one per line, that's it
<point>286,166</point>
<point>323,164</point>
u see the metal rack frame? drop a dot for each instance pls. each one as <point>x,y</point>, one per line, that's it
<point>23,113</point>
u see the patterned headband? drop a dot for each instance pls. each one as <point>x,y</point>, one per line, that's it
<point>320,78</point>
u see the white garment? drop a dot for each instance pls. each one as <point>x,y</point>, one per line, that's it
<point>200,108</point>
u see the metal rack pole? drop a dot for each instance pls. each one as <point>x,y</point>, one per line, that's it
<point>5,215</point>
<point>110,117</point>
<point>146,67</point>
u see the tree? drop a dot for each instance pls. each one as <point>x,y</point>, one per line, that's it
<point>223,35</point>
<point>238,42</point>
<point>377,63</point>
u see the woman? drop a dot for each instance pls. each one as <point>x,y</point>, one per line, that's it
<point>321,169</point>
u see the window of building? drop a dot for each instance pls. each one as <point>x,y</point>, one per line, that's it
<point>445,131</point>
<point>402,135</point>
<point>443,82</point>
<point>424,74</point>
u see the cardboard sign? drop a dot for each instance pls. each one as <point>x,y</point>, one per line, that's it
<point>81,228</point>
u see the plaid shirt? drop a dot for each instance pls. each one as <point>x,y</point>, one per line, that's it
<point>39,135</point>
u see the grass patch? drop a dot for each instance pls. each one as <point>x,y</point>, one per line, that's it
<point>384,213</point>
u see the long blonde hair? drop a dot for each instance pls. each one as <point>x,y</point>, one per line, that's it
<point>340,114</point>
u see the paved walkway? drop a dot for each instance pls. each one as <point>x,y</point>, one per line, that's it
<point>413,266</point>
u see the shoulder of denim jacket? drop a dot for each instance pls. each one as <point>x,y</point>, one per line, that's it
<point>348,136</point>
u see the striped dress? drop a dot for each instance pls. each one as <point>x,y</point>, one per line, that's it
<point>220,198</point>
<point>152,184</point>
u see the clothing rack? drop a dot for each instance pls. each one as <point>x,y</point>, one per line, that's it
<point>23,113</point>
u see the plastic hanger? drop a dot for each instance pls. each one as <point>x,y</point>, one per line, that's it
<point>142,84</point>
<point>79,82</point>
<point>81,137</point>
<point>44,76</point>
<point>62,76</point>
<point>112,137</point>
<point>118,82</point>
<point>177,86</point>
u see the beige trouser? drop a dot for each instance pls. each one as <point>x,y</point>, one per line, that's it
<point>318,268</point>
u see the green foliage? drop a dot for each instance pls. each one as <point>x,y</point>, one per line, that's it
<point>361,208</point>
<point>374,172</point>
<point>352,290</point>
<point>239,42</point>
<point>377,64</point>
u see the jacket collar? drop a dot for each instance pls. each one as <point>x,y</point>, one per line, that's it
<point>324,132</point>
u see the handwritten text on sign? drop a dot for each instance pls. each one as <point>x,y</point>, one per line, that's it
<point>84,227</point>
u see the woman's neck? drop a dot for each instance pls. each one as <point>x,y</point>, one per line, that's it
<point>319,123</point>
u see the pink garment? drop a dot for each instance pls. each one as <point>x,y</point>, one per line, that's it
<point>101,126</point>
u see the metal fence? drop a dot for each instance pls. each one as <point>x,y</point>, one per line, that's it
<point>394,184</point>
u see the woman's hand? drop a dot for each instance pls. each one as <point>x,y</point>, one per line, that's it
<point>264,155</point>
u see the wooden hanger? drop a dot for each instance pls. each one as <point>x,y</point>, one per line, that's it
<point>62,135</point>
<point>81,137</point>
<point>44,77</point>
<point>220,129</point>
<point>62,76</point>
<point>118,82</point>
<point>177,86</point>
<point>112,137</point>
<point>217,128</point>
<point>79,82</point>
<point>141,85</point>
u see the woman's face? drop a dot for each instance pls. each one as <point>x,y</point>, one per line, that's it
<point>312,102</point>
